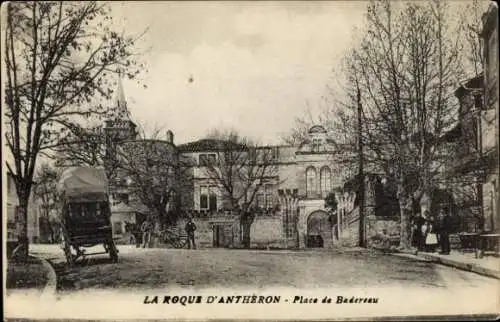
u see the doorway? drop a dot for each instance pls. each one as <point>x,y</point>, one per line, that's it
<point>319,230</point>
<point>222,235</point>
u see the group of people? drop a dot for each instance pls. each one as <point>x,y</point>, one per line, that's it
<point>147,229</point>
<point>429,232</point>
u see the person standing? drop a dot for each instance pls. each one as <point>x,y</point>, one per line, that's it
<point>146,229</point>
<point>430,236</point>
<point>418,233</point>
<point>190,229</point>
<point>444,232</point>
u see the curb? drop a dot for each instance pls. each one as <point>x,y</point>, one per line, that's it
<point>49,291</point>
<point>464,266</point>
<point>452,263</point>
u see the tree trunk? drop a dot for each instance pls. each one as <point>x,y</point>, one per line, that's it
<point>246,233</point>
<point>155,238</point>
<point>22,249</point>
<point>246,224</point>
<point>405,206</point>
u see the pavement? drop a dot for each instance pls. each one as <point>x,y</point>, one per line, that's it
<point>142,267</point>
<point>487,265</point>
<point>139,268</point>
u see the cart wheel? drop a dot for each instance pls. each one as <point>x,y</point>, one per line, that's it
<point>180,243</point>
<point>113,252</point>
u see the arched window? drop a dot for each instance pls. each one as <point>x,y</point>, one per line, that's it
<point>311,182</point>
<point>325,178</point>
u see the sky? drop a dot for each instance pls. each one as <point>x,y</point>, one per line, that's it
<point>253,66</point>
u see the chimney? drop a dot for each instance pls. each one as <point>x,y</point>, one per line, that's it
<point>170,137</point>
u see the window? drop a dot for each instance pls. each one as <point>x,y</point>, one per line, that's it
<point>276,153</point>
<point>311,182</point>
<point>117,227</point>
<point>207,159</point>
<point>265,197</point>
<point>212,201</point>
<point>203,197</point>
<point>260,200</point>
<point>208,198</point>
<point>271,153</point>
<point>478,101</point>
<point>325,177</point>
<point>475,133</point>
<point>268,189</point>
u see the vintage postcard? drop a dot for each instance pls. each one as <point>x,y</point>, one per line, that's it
<point>256,160</point>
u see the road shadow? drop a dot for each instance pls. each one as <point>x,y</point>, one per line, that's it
<point>68,277</point>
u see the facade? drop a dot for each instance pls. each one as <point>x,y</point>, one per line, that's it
<point>474,141</point>
<point>289,207</point>
<point>490,119</point>
<point>464,173</point>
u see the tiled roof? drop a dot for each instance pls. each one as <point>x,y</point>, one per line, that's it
<point>208,145</point>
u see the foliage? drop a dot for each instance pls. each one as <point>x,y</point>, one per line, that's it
<point>58,57</point>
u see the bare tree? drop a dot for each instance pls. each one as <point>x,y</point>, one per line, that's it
<point>58,59</point>
<point>241,170</point>
<point>406,71</point>
<point>81,146</point>
<point>151,166</point>
<point>403,72</point>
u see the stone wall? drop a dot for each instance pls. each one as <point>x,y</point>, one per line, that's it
<point>204,231</point>
<point>267,232</point>
<point>349,235</point>
<point>377,225</point>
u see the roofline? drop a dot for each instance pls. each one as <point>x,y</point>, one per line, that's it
<point>148,140</point>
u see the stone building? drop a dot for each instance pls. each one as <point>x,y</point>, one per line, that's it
<point>289,208</point>
<point>290,205</point>
<point>473,172</point>
<point>490,119</point>
<point>463,175</point>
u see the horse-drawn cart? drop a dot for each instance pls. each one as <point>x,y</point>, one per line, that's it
<point>85,213</point>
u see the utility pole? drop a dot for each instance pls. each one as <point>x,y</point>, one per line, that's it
<point>361,175</point>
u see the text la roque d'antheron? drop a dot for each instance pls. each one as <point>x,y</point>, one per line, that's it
<point>256,299</point>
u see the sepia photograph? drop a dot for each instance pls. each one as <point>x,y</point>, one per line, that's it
<point>255,160</point>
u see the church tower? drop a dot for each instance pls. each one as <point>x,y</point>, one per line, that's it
<point>117,128</point>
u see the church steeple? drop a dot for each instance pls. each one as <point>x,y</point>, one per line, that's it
<point>119,101</point>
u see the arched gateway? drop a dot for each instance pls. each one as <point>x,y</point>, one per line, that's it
<point>319,230</point>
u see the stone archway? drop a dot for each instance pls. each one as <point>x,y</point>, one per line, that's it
<point>319,230</point>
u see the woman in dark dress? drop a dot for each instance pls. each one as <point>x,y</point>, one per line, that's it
<point>418,237</point>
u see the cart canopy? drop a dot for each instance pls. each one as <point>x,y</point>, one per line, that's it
<point>83,183</point>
